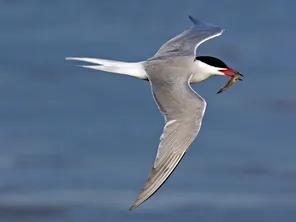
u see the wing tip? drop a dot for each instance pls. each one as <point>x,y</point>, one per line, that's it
<point>144,196</point>
<point>139,201</point>
<point>194,20</point>
<point>132,207</point>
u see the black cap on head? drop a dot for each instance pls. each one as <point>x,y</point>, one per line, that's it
<point>212,61</point>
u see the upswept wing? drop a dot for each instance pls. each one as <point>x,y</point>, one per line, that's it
<point>187,42</point>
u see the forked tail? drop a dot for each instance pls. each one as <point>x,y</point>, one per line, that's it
<point>134,69</point>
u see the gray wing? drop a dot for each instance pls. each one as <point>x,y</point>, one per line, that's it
<point>183,110</point>
<point>187,42</point>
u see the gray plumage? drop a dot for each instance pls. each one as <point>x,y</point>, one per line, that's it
<point>170,72</point>
<point>183,110</point>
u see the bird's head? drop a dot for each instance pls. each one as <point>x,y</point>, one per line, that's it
<point>214,66</point>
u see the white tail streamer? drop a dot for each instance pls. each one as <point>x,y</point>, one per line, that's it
<point>134,69</point>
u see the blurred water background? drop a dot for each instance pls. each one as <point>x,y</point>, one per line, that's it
<point>77,145</point>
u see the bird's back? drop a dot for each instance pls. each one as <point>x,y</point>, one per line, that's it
<point>169,68</point>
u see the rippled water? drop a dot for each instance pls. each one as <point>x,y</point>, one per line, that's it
<point>77,145</point>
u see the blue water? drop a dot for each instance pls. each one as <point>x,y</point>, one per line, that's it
<point>77,145</point>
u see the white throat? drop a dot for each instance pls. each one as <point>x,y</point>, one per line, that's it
<point>203,71</point>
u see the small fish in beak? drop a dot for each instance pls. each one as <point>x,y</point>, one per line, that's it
<point>236,76</point>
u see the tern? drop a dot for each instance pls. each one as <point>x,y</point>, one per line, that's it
<point>170,72</point>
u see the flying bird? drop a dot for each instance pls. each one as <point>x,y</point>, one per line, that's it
<point>170,72</point>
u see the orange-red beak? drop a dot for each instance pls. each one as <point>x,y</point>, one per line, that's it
<point>228,72</point>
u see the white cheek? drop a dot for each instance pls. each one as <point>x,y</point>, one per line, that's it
<point>201,72</point>
<point>211,70</point>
